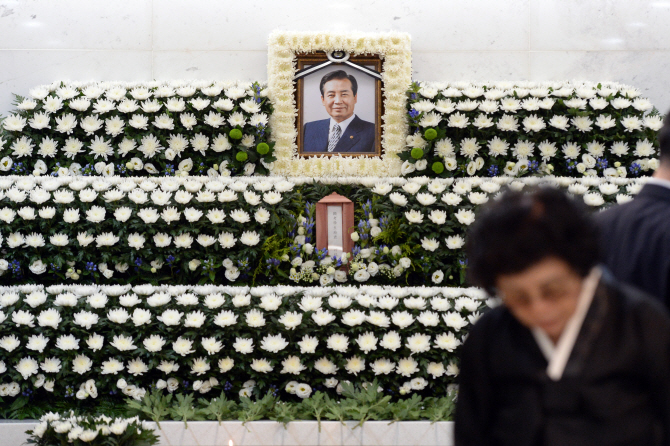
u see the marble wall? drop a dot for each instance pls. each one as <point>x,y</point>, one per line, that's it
<point>619,40</point>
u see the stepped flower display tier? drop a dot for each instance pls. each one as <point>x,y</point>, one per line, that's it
<point>91,342</point>
<point>179,128</point>
<point>220,128</point>
<point>249,231</point>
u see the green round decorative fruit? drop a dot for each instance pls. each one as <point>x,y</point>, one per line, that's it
<point>262,148</point>
<point>417,153</point>
<point>438,167</point>
<point>241,156</point>
<point>430,134</point>
<point>235,134</point>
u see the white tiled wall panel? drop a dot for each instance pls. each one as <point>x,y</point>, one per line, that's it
<point>618,40</point>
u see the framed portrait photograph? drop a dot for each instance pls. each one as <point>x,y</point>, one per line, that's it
<point>339,105</point>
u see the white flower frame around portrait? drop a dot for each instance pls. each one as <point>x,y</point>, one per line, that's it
<point>394,50</point>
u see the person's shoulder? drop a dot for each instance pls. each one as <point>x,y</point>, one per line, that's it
<point>313,124</point>
<point>362,123</point>
<point>491,322</point>
<point>614,212</point>
<point>636,302</point>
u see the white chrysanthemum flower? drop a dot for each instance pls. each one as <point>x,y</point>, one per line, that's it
<point>112,367</point>
<point>100,147</point>
<point>576,103</point>
<point>414,216</point>
<point>510,104</point>
<point>51,365</point>
<point>430,119</point>
<point>418,343</point>
<point>194,319</point>
<point>593,199</point>
<point>37,343</point>
<point>81,364</point>
<point>137,367</point>
<point>250,238</point>
<point>455,242</point>
<point>355,365</point>
<point>582,123</point>
<point>559,122</point>
<point>39,121</point>
<point>150,146</point>
<point>430,244</point>
<point>226,364</point>
<point>123,343</point>
<point>9,343</point>
<point>367,342</point>
<point>469,147</point>
<point>467,105</point>
<point>508,123</point>
<point>454,320</point>
<point>605,122</point>
<point>325,366</point>
<point>48,148</point>
<point>274,343</point>
<point>458,120</point>
<point>211,345</point>
<point>136,240</point>
<point>533,123</point>
<point>619,148</point>
<point>653,122</point>
<point>27,367</point>
<point>382,366</point>
<point>644,148</point>
<point>338,342</point>
<point>170,317</point>
<point>141,316</point>
<point>407,367</point>
<point>261,365</point>
<point>34,240</point>
<point>188,120</point>
<point>465,217</point>
<point>547,150</point>
<point>631,123</point>
<point>72,147</point>
<point>127,106</point>
<point>154,343</point>
<point>22,147</point>
<point>243,345</point>
<point>620,103</point>
<point>571,150</point>
<point>447,341</point>
<point>85,319</point>
<point>14,123</point>
<point>183,346</point>
<point>498,147</point>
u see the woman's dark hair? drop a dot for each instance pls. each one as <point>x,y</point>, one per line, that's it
<point>521,229</point>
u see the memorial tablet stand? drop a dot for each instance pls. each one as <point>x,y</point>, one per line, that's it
<point>335,224</point>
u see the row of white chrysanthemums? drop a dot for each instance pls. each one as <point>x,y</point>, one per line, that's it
<point>159,192</point>
<point>55,112</point>
<point>468,105</point>
<point>116,311</point>
<point>87,429</point>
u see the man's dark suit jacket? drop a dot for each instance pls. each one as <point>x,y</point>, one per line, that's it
<point>636,241</point>
<point>358,137</point>
<point>614,390</point>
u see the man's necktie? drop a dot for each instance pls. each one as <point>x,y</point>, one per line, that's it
<point>334,137</point>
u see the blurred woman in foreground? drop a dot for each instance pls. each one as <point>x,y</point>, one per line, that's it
<point>571,357</point>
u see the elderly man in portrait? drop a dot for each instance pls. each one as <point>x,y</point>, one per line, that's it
<point>343,131</point>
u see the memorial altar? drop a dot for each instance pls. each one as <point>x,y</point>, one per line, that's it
<point>171,250</point>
